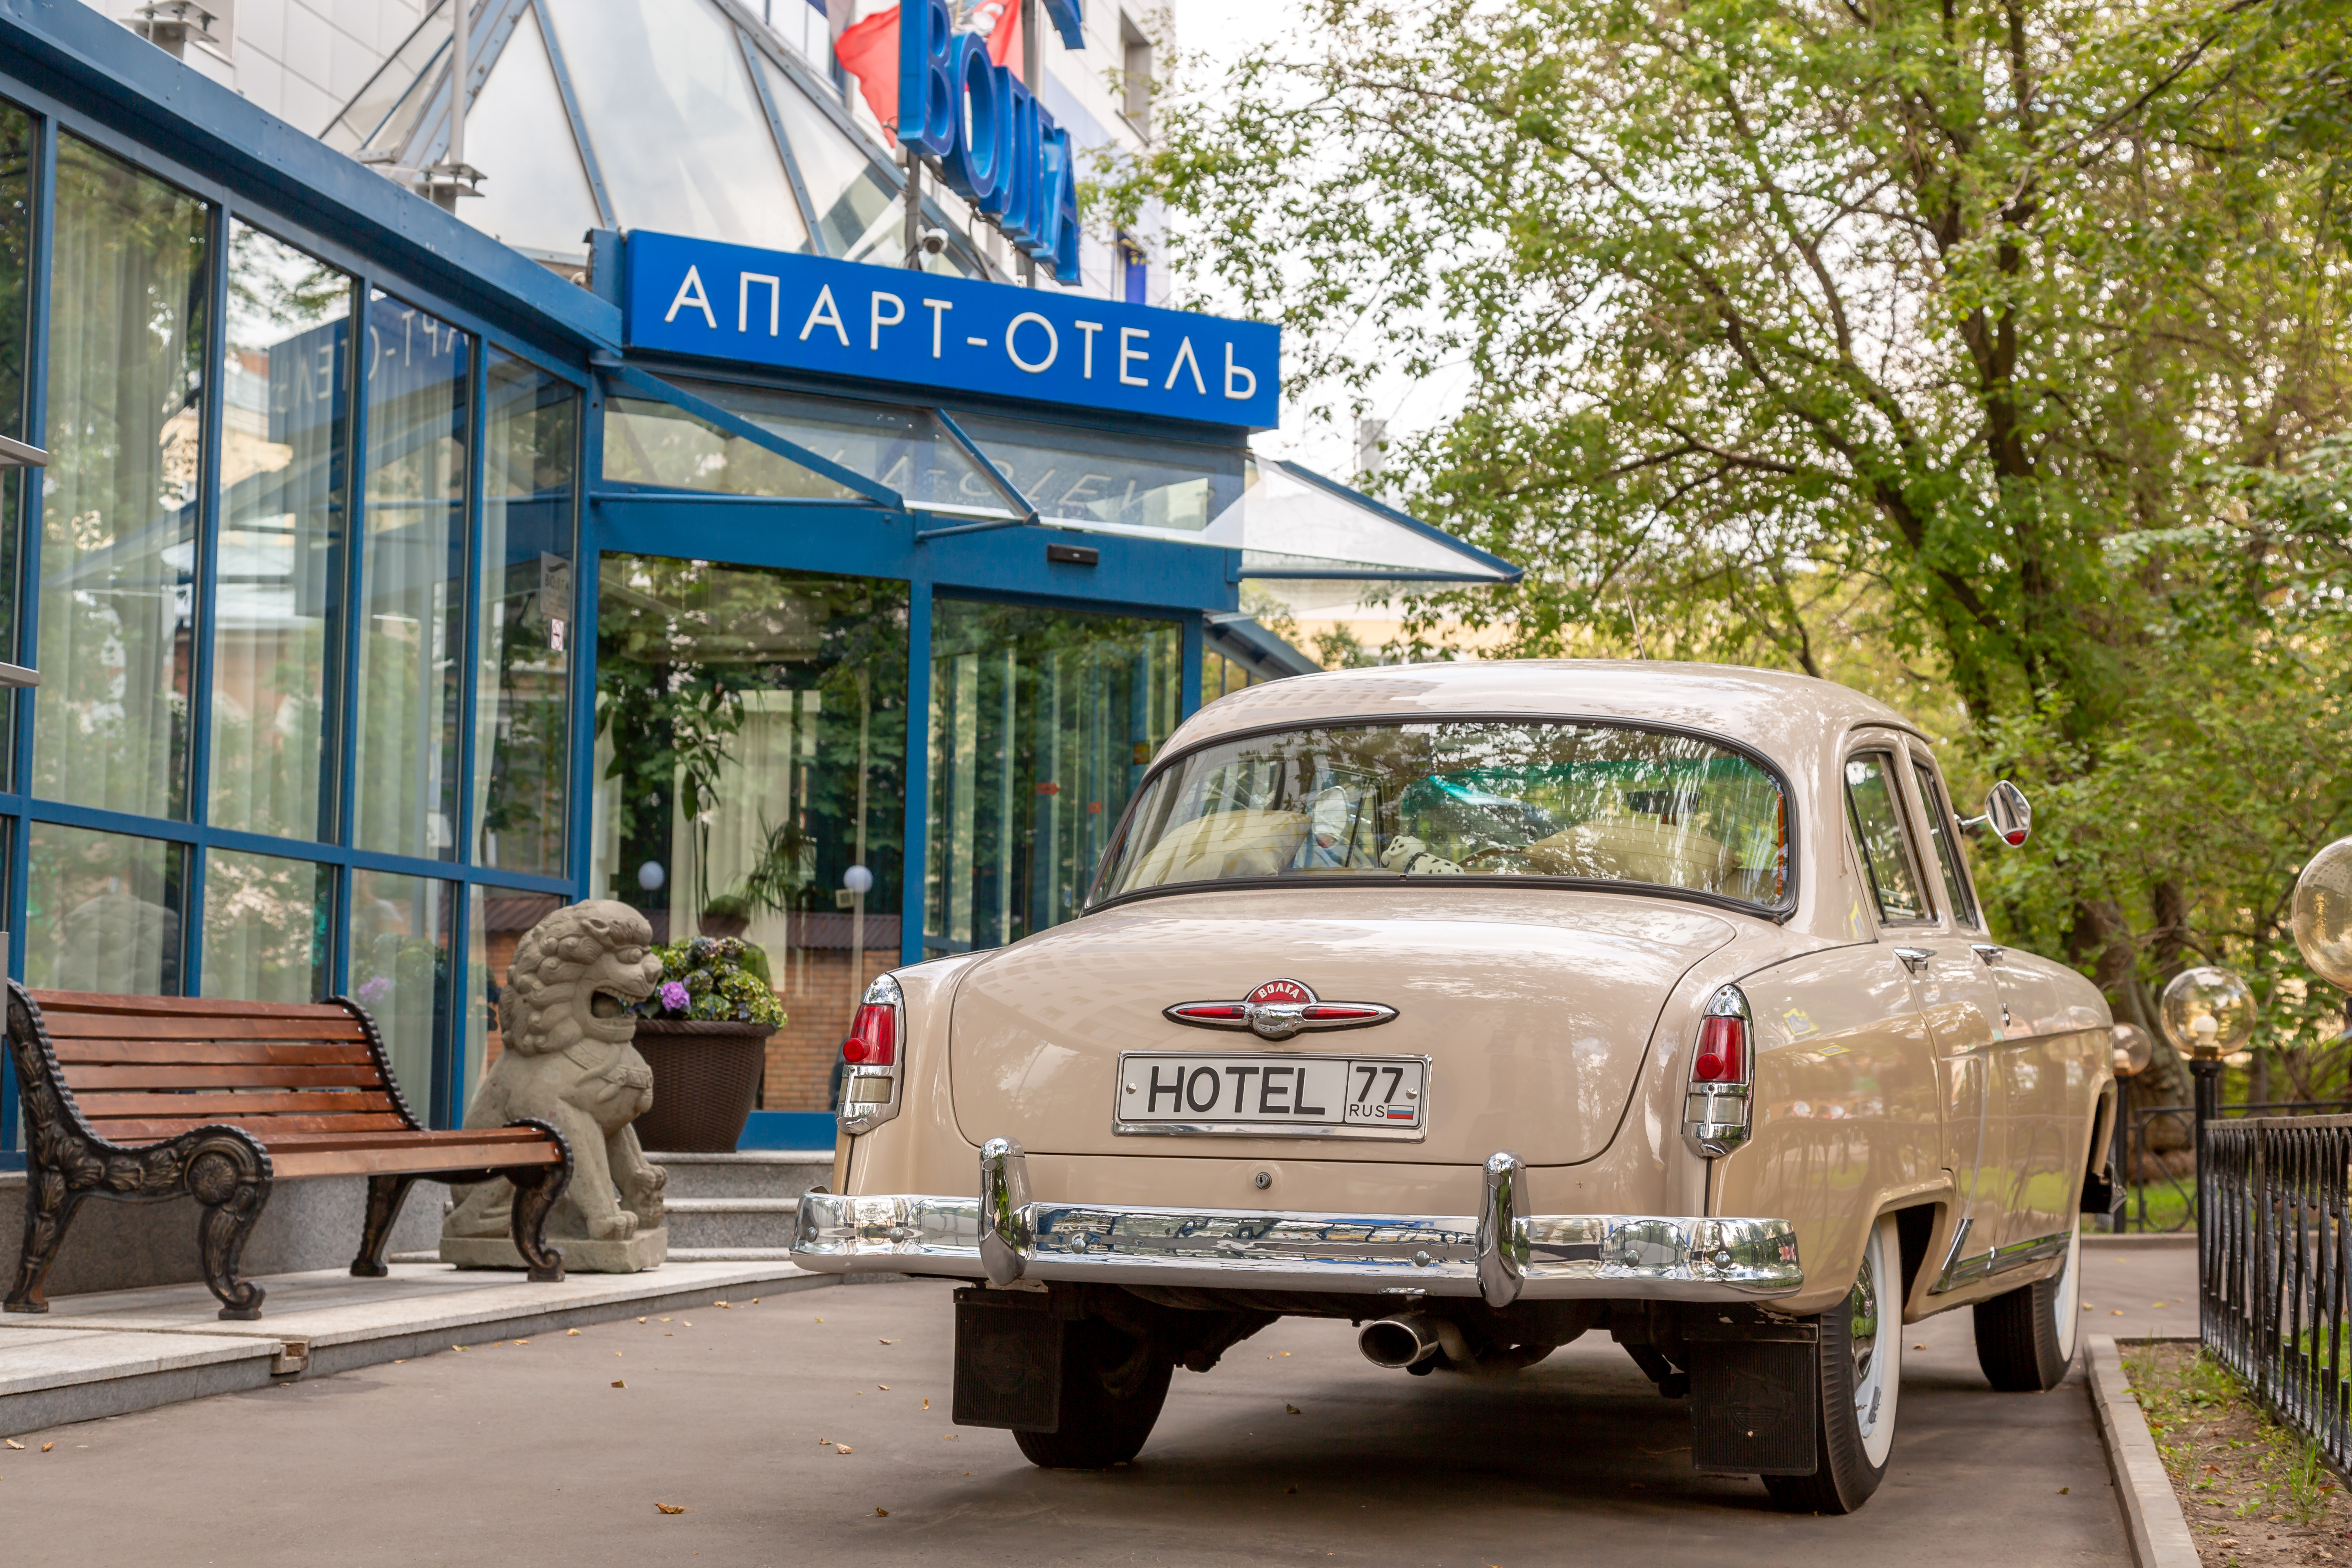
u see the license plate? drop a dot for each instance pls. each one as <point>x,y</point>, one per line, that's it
<point>1262,1095</point>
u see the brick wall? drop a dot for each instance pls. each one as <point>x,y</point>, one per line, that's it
<point>820,996</point>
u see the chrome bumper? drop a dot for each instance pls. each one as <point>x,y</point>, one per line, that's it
<point>1497,1253</point>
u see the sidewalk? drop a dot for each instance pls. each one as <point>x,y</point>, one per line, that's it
<point>121,1351</point>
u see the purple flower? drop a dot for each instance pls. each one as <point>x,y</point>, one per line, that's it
<point>674,996</point>
<point>372,992</point>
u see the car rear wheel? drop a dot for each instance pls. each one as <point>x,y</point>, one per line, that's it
<point>2025,1338</point>
<point>1861,1377</point>
<point>1113,1386</point>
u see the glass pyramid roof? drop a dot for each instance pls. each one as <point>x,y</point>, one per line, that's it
<point>685,116</point>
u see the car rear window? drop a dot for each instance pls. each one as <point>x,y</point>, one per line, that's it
<point>1583,803</point>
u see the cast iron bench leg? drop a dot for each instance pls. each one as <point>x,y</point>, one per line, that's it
<point>385,1195</point>
<point>50,1205</point>
<point>229,1175</point>
<point>536,1193</point>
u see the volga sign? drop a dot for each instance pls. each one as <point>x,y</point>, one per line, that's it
<point>714,301</point>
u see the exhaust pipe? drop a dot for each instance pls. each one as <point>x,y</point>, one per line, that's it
<point>1406,1339</point>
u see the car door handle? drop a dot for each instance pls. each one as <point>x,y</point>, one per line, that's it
<point>1914,959</point>
<point>1992,952</point>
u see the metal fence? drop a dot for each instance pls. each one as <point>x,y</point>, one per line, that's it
<point>2273,1256</point>
<point>2156,1157</point>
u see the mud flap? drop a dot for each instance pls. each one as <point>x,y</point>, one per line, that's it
<point>1755,1395</point>
<point>1008,1360</point>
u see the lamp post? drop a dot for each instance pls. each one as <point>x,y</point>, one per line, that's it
<point>2207,1012</point>
<point>2133,1053</point>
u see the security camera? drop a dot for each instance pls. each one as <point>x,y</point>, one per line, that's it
<point>934,240</point>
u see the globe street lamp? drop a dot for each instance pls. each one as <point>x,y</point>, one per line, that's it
<point>2207,1012</point>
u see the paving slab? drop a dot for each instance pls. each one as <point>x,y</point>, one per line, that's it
<point>118,1351</point>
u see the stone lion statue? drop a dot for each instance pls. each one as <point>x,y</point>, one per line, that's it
<point>568,1060</point>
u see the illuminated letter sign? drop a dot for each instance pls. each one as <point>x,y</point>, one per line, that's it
<point>994,143</point>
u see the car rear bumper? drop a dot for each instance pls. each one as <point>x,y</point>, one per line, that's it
<point>1497,1252</point>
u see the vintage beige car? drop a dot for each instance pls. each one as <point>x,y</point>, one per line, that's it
<point>1483,1005</point>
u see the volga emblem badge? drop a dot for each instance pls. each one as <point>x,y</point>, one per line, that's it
<point>1280,1009</point>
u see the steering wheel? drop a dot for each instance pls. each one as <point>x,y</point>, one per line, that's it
<point>1487,854</point>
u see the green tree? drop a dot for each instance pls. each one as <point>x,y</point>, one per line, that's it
<point>1929,345</point>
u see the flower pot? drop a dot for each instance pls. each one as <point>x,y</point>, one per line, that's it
<point>706,1080</point>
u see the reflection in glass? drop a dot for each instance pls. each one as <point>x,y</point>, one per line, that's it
<point>400,973</point>
<point>117,518</point>
<point>495,919</point>
<point>750,749</point>
<point>413,576</point>
<point>15,277</point>
<point>521,713</point>
<point>1042,723</point>
<point>1594,802</point>
<point>906,448</point>
<point>689,151</point>
<point>1110,482</point>
<point>387,110</point>
<point>284,465</point>
<point>103,912</point>
<point>858,208</point>
<point>266,927</point>
<point>1876,809</point>
<point>538,198</point>
<point>648,443</point>
<point>1222,677</point>
<point>1947,848</point>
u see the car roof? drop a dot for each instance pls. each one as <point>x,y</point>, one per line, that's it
<point>1774,713</point>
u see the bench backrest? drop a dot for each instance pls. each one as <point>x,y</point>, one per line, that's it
<point>147,1067</point>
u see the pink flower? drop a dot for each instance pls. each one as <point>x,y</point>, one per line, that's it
<point>673,997</point>
<point>372,992</point>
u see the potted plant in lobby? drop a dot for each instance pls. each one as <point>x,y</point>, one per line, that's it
<point>704,1031</point>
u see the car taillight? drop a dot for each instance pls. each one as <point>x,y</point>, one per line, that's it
<point>873,1035</point>
<point>1716,1111</point>
<point>1722,1051</point>
<point>871,1060</point>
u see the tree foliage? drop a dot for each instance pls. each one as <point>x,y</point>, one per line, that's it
<point>1983,353</point>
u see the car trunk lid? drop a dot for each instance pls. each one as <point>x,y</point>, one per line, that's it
<point>1534,1009</point>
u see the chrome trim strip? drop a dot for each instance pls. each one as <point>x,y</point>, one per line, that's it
<point>1958,1271</point>
<point>1502,1255</point>
<point>1621,1257</point>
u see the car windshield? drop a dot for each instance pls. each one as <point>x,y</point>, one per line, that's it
<point>1596,802</point>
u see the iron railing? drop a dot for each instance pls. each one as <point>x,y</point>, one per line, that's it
<point>2273,1256</point>
<point>2156,1189</point>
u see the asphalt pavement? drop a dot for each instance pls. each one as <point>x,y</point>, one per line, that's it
<point>568,1448</point>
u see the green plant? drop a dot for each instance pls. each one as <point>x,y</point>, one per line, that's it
<point>713,979</point>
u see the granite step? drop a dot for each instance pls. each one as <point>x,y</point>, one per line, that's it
<point>751,1174</point>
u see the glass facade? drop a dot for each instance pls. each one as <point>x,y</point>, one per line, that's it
<point>304,593</point>
<point>284,473</point>
<point>1042,723</point>
<point>102,911</point>
<point>412,572</point>
<point>523,710</point>
<point>127,362</point>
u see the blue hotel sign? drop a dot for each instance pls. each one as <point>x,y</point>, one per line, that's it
<point>947,335</point>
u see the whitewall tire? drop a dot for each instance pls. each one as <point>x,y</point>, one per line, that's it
<point>2025,1337</point>
<point>1860,1385</point>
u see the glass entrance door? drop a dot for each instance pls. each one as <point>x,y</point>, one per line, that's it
<point>750,757</point>
<point>1042,723</point>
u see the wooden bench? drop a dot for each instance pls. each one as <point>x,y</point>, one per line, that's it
<point>144,1098</point>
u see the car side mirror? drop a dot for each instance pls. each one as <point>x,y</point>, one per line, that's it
<point>2007,811</point>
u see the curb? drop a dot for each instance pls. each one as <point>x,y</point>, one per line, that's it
<point>2160,1531</point>
<point>2140,1240</point>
